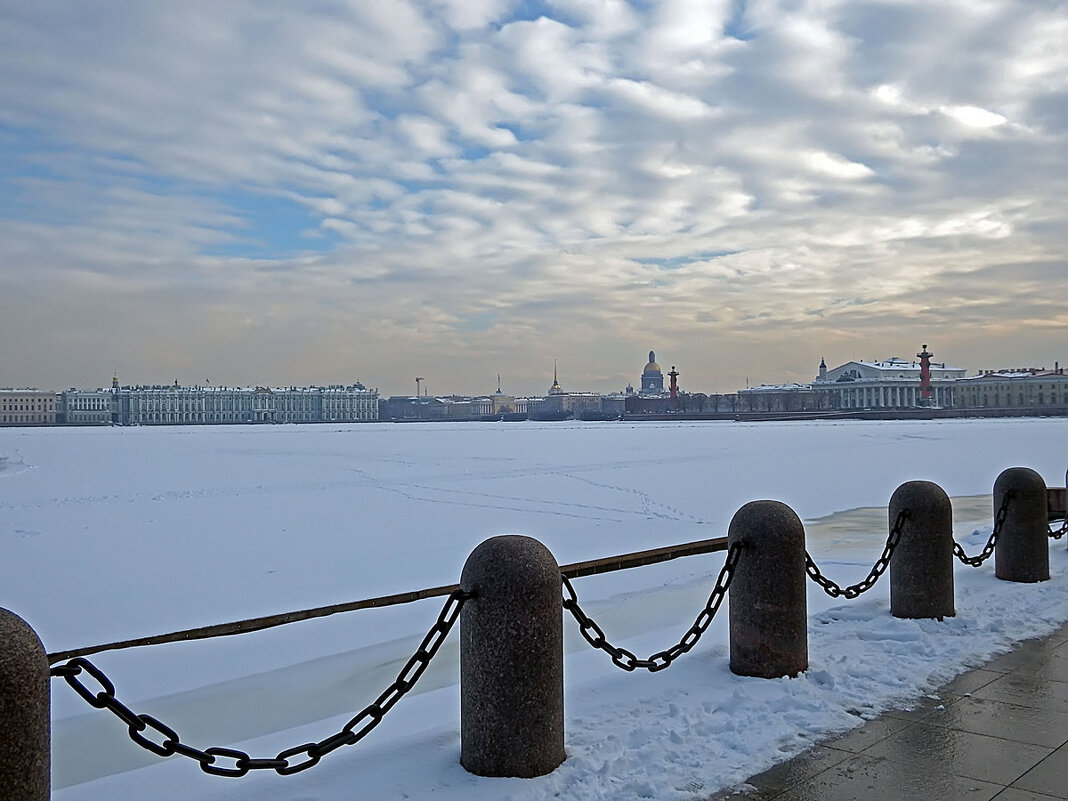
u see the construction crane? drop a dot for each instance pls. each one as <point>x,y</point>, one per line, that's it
<point>418,379</point>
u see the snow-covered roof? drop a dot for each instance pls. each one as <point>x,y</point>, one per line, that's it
<point>777,388</point>
<point>897,364</point>
<point>1017,374</point>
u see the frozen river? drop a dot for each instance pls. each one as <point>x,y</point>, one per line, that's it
<point>114,533</point>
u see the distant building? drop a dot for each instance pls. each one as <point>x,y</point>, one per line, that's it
<point>892,383</point>
<point>561,405</point>
<point>454,407</point>
<point>652,377</point>
<point>778,398</point>
<point>87,407</point>
<point>172,404</point>
<point>1030,388</point>
<point>27,407</point>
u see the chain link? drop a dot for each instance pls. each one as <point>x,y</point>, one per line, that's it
<point>988,549</point>
<point>627,660</point>
<point>1057,533</point>
<point>854,590</point>
<point>233,763</point>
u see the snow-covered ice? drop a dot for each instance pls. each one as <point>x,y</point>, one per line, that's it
<point>115,533</point>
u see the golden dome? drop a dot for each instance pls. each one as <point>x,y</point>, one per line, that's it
<point>652,367</point>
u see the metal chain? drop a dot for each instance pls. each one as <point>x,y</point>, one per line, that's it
<point>1056,534</point>
<point>627,660</point>
<point>233,763</point>
<point>854,590</point>
<point>988,549</point>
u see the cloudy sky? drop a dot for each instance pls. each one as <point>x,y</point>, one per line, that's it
<point>262,191</point>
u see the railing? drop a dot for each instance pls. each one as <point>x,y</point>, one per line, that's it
<point>508,603</point>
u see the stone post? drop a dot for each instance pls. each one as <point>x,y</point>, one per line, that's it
<point>511,660</point>
<point>921,567</point>
<point>1022,551</point>
<point>768,601</point>
<point>25,742</point>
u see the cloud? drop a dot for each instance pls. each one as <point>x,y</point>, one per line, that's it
<point>466,184</point>
<point>659,101</point>
<point>835,166</point>
<point>974,117</point>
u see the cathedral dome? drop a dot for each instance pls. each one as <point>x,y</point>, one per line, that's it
<point>652,377</point>
<point>652,368</point>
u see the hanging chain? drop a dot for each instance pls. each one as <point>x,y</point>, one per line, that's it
<point>1057,533</point>
<point>854,590</point>
<point>627,660</point>
<point>233,763</point>
<point>988,549</point>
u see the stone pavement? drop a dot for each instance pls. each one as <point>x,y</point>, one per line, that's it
<point>1000,731</point>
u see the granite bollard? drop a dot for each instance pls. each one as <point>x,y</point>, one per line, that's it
<point>25,730</point>
<point>768,602</point>
<point>511,660</point>
<point>921,567</point>
<point>1022,550</point>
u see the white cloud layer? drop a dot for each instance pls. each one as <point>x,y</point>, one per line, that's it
<point>269,192</point>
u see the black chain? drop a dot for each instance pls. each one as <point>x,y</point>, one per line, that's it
<point>988,549</point>
<point>883,562</point>
<point>627,660</point>
<point>1057,533</point>
<point>234,763</point>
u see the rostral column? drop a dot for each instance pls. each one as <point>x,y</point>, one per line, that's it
<point>925,374</point>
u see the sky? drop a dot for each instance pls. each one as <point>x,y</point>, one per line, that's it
<point>277,193</point>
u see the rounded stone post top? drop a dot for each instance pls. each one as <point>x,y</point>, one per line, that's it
<point>768,518</point>
<point>919,498</point>
<point>499,562</point>
<point>18,637</point>
<point>1021,480</point>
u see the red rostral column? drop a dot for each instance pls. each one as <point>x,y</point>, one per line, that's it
<point>925,373</point>
<point>674,376</point>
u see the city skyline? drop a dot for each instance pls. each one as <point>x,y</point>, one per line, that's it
<point>424,385</point>
<point>264,194</point>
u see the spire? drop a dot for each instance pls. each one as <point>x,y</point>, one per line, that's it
<point>499,383</point>
<point>555,389</point>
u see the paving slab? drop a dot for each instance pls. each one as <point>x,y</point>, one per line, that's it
<point>1050,776</point>
<point>999,731</point>
<point>928,748</point>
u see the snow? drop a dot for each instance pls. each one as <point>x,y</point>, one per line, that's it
<point>120,532</point>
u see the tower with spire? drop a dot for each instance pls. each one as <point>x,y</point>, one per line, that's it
<point>555,389</point>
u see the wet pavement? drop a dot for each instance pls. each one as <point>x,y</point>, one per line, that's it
<point>1000,731</point>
